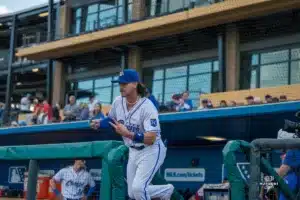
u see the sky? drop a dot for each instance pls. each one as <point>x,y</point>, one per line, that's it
<point>8,6</point>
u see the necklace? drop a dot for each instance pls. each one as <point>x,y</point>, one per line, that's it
<point>133,102</point>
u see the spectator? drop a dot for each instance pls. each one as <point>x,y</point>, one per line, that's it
<point>85,111</point>
<point>257,100</point>
<point>97,114</point>
<point>282,98</point>
<point>188,103</point>
<point>223,104</point>
<point>1,109</point>
<point>46,113</point>
<point>56,113</point>
<point>25,103</point>
<point>71,110</point>
<point>37,108</point>
<point>275,100</point>
<point>152,98</point>
<point>250,100</point>
<point>174,106</point>
<point>268,98</point>
<point>233,103</point>
<point>204,104</point>
<point>290,167</point>
<point>92,104</point>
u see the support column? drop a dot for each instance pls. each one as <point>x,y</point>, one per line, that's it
<point>222,61</point>
<point>125,11</point>
<point>12,45</point>
<point>59,83</point>
<point>232,58</point>
<point>135,60</point>
<point>50,62</point>
<point>138,10</point>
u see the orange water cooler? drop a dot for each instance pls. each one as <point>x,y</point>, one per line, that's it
<point>42,186</point>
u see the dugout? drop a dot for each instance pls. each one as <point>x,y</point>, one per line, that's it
<point>184,133</point>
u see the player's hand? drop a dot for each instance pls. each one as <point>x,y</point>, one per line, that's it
<point>120,128</point>
<point>149,138</point>
<point>84,198</point>
<point>95,124</point>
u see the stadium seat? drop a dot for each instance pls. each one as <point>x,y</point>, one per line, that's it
<point>291,92</point>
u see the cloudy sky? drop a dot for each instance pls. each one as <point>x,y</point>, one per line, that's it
<point>7,6</point>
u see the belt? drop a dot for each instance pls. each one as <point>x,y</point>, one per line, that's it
<point>139,148</point>
<point>72,199</point>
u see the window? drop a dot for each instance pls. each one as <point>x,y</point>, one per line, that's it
<point>103,89</point>
<point>100,15</point>
<point>275,68</point>
<point>196,77</point>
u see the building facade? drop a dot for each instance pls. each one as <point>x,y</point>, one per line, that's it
<point>202,46</point>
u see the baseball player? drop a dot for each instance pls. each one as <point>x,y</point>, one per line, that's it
<point>135,118</point>
<point>74,179</point>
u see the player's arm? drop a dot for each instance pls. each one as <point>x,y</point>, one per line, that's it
<point>92,185</point>
<point>57,179</point>
<point>105,123</point>
<point>289,161</point>
<point>150,123</point>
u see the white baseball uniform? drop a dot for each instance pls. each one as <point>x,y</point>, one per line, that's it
<point>73,183</point>
<point>144,160</point>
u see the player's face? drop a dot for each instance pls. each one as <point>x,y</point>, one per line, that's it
<point>79,164</point>
<point>127,89</point>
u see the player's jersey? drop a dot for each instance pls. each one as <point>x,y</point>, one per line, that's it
<point>73,183</point>
<point>143,117</point>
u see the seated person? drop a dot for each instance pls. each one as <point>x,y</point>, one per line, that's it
<point>152,98</point>
<point>290,167</point>
<point>71,111</point>
<point>97,112</point>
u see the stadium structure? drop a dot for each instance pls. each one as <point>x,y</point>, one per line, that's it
<point>217,50</point>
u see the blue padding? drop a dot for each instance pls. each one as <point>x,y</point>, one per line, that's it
<point>240,111</point>
<point>192,115</point>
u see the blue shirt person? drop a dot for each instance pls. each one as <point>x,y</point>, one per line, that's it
<point>288,169</point>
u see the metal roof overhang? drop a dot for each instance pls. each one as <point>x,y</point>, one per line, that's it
<point>197,18</point>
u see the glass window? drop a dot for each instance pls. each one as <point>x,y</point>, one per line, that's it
<point>175,5</point>
<point>108,18</point>
<point>120,15</point>
<point>116,91</point>
<point>158,74</point>
<point>200,68</point>
<point>130,12</point>
<point>253,79</point>
<point>274,75</point>
<point>107,5</point>
<point>103,94</point>
<point>77,26</point>
<point>174,86</point>
<point>176,71</point>
<point>91,22</point>
<point>295,72</point>
<point>85,85</point>
<point>103,82</point>
<point>295,54</point>
<point>157,90</point>
<point>78,12</point>
<point>216,67</point>
<point>276,56</point>
<point>200,83</point>
<point>254,59</point>
<point>93,8</point>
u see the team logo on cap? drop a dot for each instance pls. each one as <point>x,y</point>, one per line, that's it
<point>121,73</point>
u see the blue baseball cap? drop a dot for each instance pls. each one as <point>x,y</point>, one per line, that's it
<point>128,76</point>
